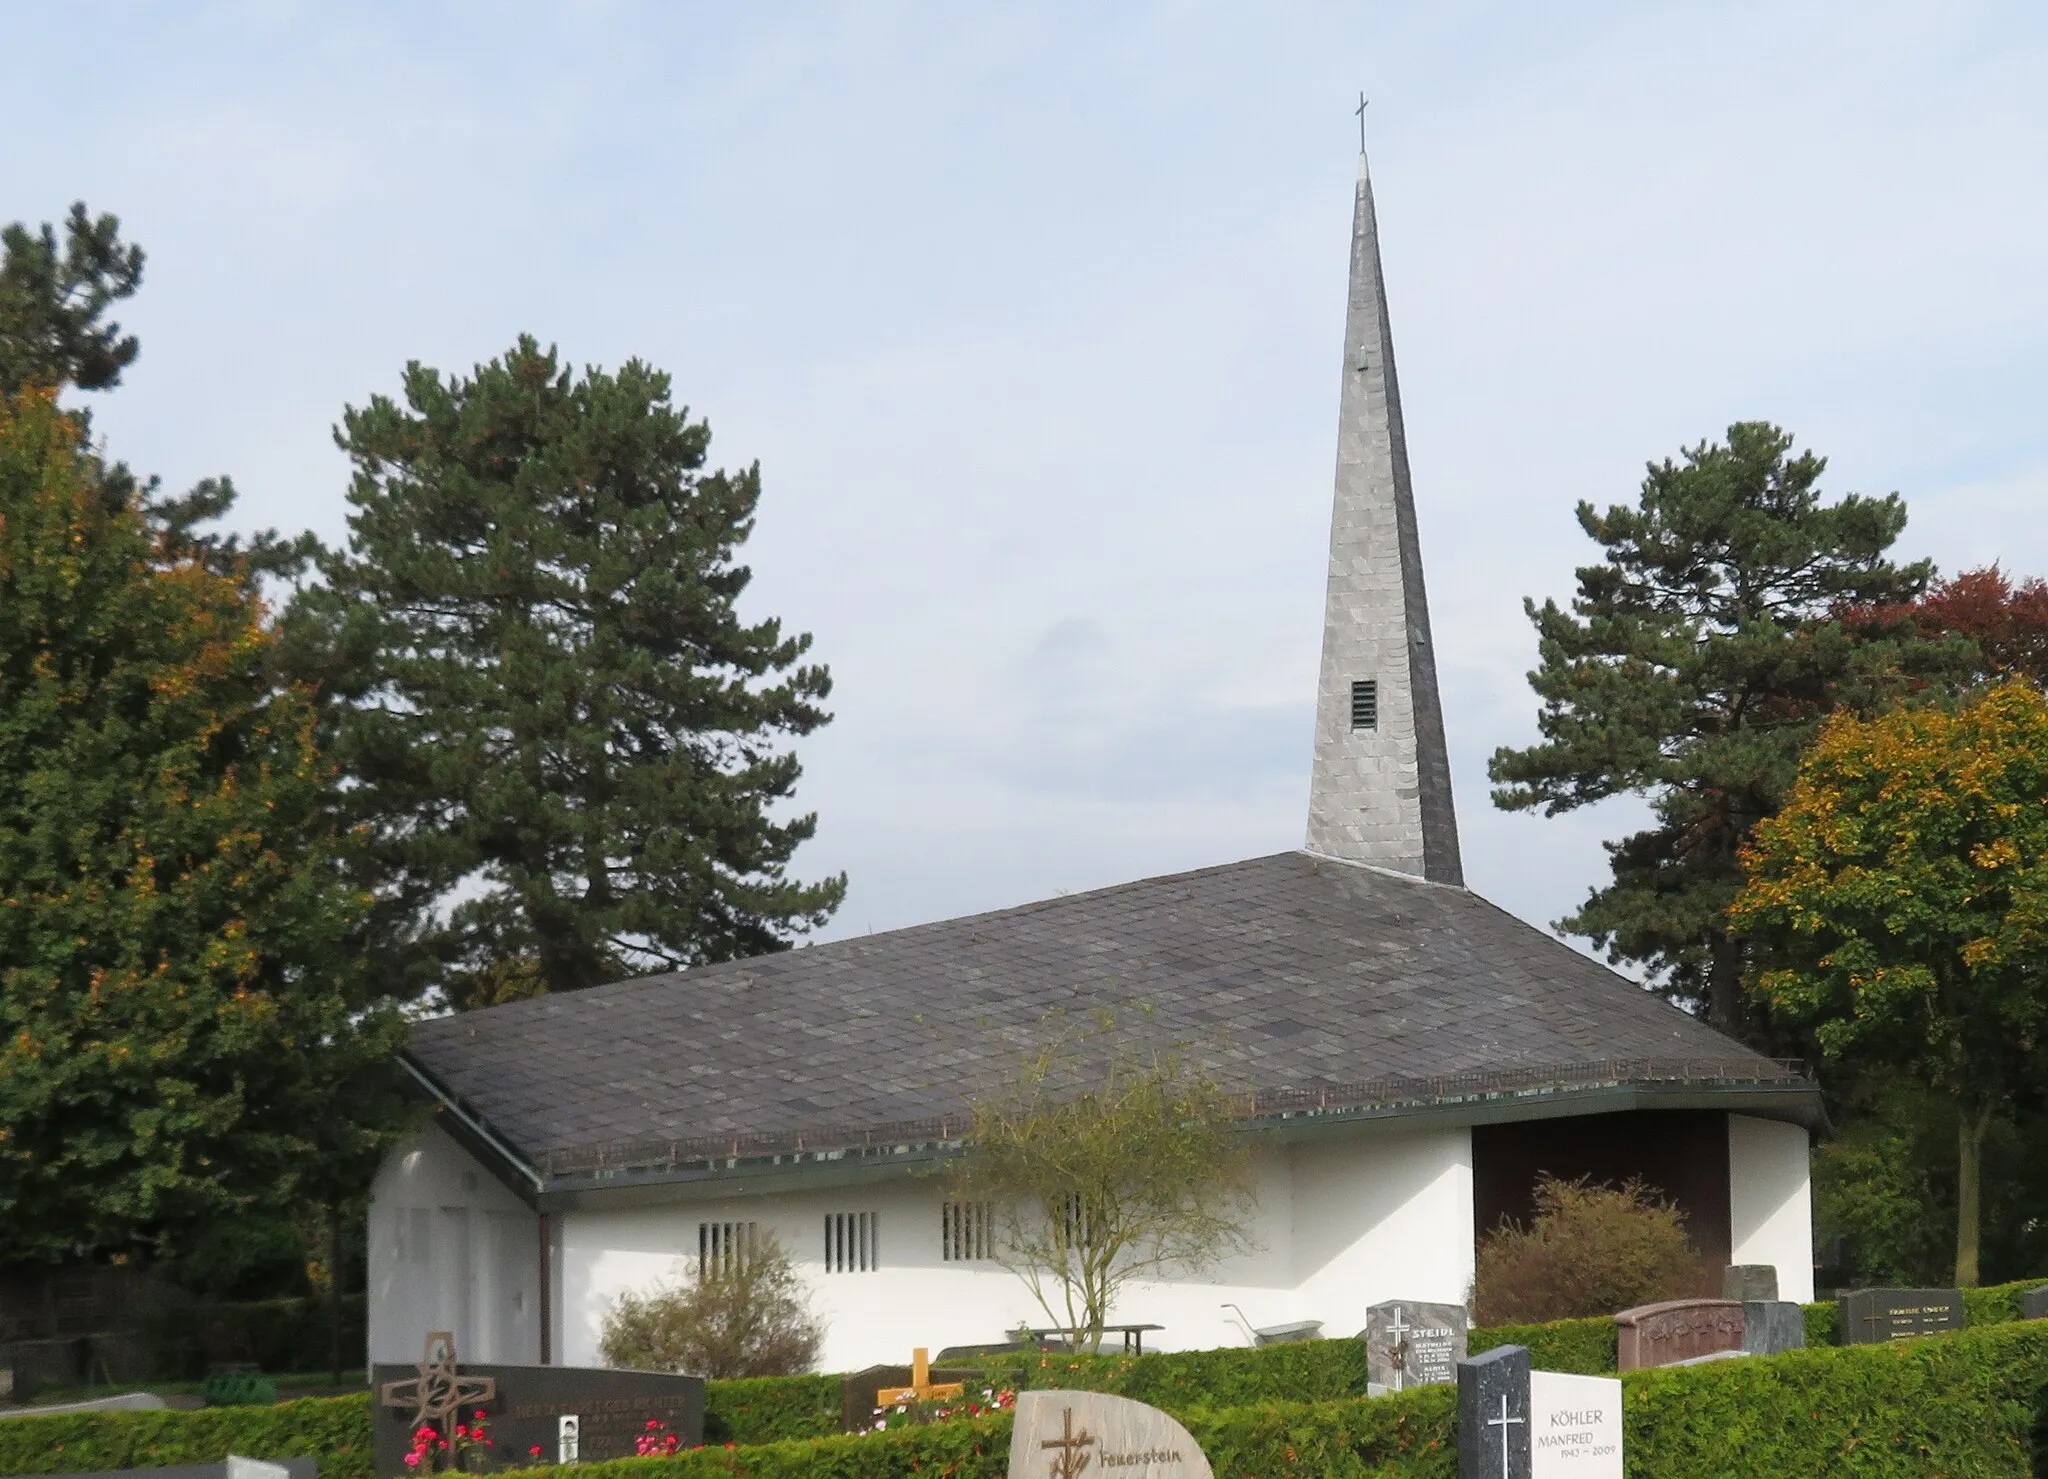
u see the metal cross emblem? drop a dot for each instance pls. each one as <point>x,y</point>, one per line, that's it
<point>1504,1422</point>
<point>1399,1349</point>
<point>440,1390</point>
<point>1071,1461</point>
<point>1360,111</point>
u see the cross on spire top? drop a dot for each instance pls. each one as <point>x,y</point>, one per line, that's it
<point>1360,111</point>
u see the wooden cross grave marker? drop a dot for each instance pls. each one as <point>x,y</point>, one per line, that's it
<point>921,1388</point>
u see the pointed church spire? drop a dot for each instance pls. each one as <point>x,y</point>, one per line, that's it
<point>1381,791</point>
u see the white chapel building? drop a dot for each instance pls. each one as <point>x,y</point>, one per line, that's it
<point>1418,1057</point>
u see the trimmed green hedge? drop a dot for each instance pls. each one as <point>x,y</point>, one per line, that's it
<point>336,1430</point>
<point>762,1409</point>
<point>1960,1407</point>
<point>1231,1396</point>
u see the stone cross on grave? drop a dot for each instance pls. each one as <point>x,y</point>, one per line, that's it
<point>1070,1460</point>
<point>440,1391</point>
<point>921,1388</point>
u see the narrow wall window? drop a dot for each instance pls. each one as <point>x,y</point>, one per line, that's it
<point>1365,703</point>
<point>1078,1228</point>
<point>850,1243</point>
<point>965,1234</point>
<point>724,1247</point>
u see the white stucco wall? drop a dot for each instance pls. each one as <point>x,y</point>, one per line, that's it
<point>1386,1218</point>
<point>450,1249</point>
<point>1338,1227</point>
<point>1770,1201</point>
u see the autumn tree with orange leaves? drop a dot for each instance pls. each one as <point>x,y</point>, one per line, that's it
<point>1903,890</point>
<point>178,1019</point>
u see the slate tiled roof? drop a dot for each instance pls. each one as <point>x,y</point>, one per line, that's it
<point>1284,972</point>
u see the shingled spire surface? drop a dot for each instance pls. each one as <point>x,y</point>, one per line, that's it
<point>1381,787</point>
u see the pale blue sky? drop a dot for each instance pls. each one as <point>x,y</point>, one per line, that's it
<point>1032,316</point>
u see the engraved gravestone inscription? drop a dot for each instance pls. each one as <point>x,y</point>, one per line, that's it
<point>1062,1435</point>
<point>551,1414</point>
<point>1413,1343</point>
<point>1871,1316</point>
<point>1677,1330</point>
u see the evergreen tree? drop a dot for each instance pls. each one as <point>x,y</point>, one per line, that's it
<point>567,743</point>
<point>1692,669</point>
<point>51,303</point>
<point>178,1013</point>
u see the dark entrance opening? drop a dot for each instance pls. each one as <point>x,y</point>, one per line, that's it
<point>1683,1153</point>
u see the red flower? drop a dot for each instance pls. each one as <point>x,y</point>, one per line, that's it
<point>535,1450</point>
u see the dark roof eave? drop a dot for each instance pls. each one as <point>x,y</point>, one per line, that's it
<point>1794,1101</point>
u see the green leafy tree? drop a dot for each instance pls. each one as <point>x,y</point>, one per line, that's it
<point>176,1001</point>
<point>1904,891</point>
<point>52,301</point>
<point>1691,670</point>
<point>569,745</point>
<point>1102,1164</point>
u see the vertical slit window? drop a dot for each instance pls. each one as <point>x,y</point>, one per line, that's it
<point>964,1235</point>
<point>852,1243</point>
<point>1365,703</point>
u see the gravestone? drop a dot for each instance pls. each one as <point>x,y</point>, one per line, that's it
<point>229,1468</point>
<point>1872,1316</point>
<point>1772,1325</point>
<point>2034,1304</point>
<point>567,1413</point>
<point>1493,1414</point>
<point>860,1392</point>
<point>1677,1330</point>
<point>1061,1435</point>
<point>1514,1423</point>
<point>1745,1282</point>
<point>1574,1426</point>
<point>1411,1343</point>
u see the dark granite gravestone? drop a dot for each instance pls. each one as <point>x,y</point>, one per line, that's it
<point>603,1412</point>
<point>1493,1414</point>
<point>2034,1304</point>
<point>1409,1343</point>
<point>232,1468</point>
<point>1677,1330</point>
<point>1872,1316</point>
<point>1772,1325</point>
<point>1744,1282</point>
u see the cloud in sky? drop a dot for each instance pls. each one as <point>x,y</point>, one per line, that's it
<point>1033,319</point>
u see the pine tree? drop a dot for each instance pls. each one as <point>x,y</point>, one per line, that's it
<point>178,1010</point>
<point>568,744</point>
<point>51,303</point>
<point>1692,669</point>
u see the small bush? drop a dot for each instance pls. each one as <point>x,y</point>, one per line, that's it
<point>743,1316</point>
<point>1591,1250</point>
<point>239,1389</point>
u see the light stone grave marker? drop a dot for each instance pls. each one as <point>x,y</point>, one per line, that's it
<point>1412,1343</point>
<point>1061,1435</point>
<point>2034,1304</point>
<point>1574,1426</point>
